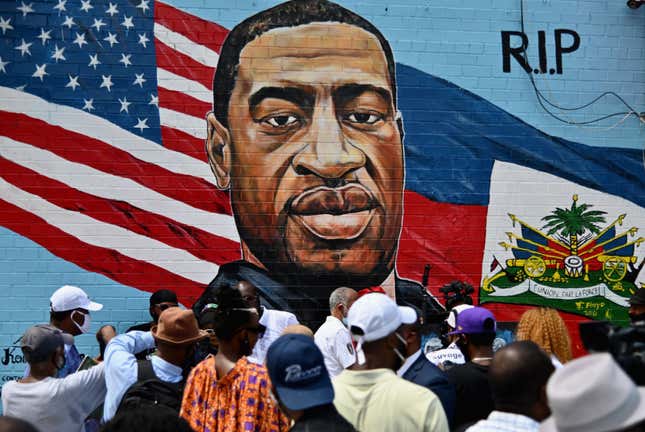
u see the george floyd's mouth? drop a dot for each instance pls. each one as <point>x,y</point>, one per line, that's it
<point>334,213</point>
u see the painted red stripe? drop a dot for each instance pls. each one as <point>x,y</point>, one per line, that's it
<point>183,65</point>
<point>101,156</point>
<point>449,237</point>
<point>183,103</point>
<point>200,243</point>
<point>177,140</point>
<point>196,29</point>
<point>113,264</point>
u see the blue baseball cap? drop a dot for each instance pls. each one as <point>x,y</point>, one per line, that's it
<point>298,373</point>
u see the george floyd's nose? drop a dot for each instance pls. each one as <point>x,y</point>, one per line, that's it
<point>328,154</point>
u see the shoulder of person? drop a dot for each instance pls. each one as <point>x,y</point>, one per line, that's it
<point>279,315</point>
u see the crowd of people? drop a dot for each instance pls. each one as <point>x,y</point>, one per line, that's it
<point>238,366</point>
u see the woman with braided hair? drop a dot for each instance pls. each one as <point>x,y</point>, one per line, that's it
<point>226,392</point>
<point>546,328</point>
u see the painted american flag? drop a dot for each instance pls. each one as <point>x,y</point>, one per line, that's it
<point>102,139</point>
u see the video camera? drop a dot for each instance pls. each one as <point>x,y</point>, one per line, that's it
<point>625,344</point>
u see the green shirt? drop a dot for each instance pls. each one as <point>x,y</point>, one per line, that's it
<point>379,400</point>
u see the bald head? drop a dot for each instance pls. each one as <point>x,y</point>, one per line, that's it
<point>298,329</point>
<point>12,424</point>
<point>518,375</point>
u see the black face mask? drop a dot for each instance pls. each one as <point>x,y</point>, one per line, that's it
<point>190,361</point>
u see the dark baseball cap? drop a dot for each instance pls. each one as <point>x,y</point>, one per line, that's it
<point>163,296</point>
<point>298,373</point>
<point>475,320</point>
<point>41,340</point>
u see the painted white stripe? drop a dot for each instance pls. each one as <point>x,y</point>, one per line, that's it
<point>84,123</point>
<point>194,126</point>
<point>181,43</point>
<point>98,183</point>
<point>171,81</point>
<point>110,236</point>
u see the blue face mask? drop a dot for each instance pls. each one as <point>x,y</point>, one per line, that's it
<point>344,321</point>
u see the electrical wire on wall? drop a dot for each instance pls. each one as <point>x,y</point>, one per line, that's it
<point>542,99</point>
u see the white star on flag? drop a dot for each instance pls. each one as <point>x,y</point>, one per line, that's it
<point>58,53</point>
<point>143,6</point>
<point>73,82</point>
<point>24,48</point>
<point>111,38</point>
<point>127,22</point>
<point>80,40</point>
<point>4,24</point>
<point>40,72</point>
<point>44,35</point>
<point>141,124</point>
<point>69,22</point>
<point>88,104</point>
<point>143,39</point>
<point>25,9</point>
<point>154,100</point>
<point>86,5</point>
<point>112,10</point>
<point>124,104</point>
<point>98,23</point>
<point>107,82</point>
<point>139,80</point>
<point>94,61</point>
<point>2,65</point>
<point>60,6</point>
<point>125,59</point>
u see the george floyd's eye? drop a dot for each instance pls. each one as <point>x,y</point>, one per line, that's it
<point>365,118</point>
<point>282,121</point>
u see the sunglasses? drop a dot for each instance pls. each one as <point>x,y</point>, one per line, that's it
<point>164,306</point>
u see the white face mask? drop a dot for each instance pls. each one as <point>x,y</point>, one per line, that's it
<point>87,322</point>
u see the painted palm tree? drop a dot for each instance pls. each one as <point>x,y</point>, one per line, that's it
<point>574,222</point>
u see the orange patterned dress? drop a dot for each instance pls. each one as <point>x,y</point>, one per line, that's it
<point>239,401</point>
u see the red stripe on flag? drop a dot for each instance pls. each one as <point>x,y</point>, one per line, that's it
<point>183,65</point>
<point>183,103</point>
<point>82,149</point>
<point>175,234</point>
<point>196,29</point>
<point>116,266</point>
<point>449,237</point>
<point>180,141</point>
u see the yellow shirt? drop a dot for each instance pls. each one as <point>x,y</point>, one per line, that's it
<point>379,400</point>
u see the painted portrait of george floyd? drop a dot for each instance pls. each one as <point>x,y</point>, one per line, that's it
<point>306,137</point>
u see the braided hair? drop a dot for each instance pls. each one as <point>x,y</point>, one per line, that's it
<point>545,327</point>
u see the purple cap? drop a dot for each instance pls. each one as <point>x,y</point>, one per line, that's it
<point>475,320</point>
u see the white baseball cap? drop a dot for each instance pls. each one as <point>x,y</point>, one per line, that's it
<point>452,317</point>
<point>375,316</point>
<point>70,297</point>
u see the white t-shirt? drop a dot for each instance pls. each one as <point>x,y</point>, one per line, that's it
<point>56,404</point>
<point>275,322</point>
<point>335,342</point>
<point>451,353</point>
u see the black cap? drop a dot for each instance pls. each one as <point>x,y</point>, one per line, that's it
<point>638,298</point>
<point>163,296</point>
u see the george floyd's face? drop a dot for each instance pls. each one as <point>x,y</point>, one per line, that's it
<point>313,154</point>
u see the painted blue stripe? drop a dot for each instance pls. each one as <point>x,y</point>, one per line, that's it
<point>452,138</point>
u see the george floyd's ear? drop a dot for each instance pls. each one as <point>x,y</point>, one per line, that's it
<point>218,148</point>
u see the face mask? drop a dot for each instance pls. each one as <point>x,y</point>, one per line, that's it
<point>344,321</point>
<point>87,322</point>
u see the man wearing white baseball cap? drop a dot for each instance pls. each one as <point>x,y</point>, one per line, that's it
<point>69,311</point>
<point>593,394</point>
<point>450,354</point>
<point>369,394</point>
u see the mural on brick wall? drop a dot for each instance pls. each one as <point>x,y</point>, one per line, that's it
<point>344,146</point>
